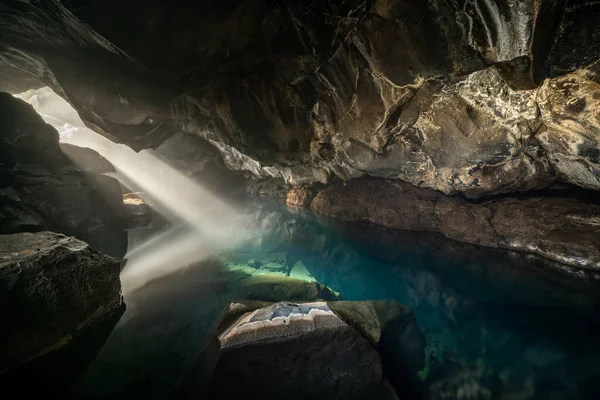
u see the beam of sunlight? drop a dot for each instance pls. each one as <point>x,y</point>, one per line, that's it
<point>202,225</point>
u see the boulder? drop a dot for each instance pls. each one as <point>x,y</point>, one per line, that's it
<point>44,189</point>
<point>295,351</point>
<point>330,350</point>
<point>53,288</point>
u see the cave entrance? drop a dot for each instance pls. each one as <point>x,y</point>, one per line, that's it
<point>198,224</point>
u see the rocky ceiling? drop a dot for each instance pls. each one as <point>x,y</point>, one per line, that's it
<point>465,96</point>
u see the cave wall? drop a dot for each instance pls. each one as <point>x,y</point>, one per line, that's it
<point>475,98</point>
<point>43,189</point>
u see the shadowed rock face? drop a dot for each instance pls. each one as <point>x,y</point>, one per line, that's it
<point>559,228</point>
<point>52,289</point>
<point>330,350</point>
<point>42,188</point>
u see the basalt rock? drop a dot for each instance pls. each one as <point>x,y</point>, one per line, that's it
<point>559,228</point>
<point>441,95</point>
<point>327,355</point>
<point>53,288</point>
<point>43,189</point>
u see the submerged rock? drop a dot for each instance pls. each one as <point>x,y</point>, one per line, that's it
<point>53,288</point>
<point>559,228</point>
<point>43,189</point>
<point>308,350</point>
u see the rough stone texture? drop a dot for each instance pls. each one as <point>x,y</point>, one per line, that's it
<point>558,228</point>
<point>325,357</point>
<point>300,197</point>
<point>52,288</point>
<point>439,94</point>
<point>43,189</point>
<point>570,107</point>
<point>273,288</point>
<point>138,213</point>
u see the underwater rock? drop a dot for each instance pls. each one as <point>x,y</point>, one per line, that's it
<point>392,329</point>
<point>325,357</point>
<point>43,189</point>
<point>52,288</point>
<point>279,288</point>
<point>559,228</point>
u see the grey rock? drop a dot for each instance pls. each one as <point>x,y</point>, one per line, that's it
<point>43,189</point>
<point>52,289</point>
<point>325,356</point>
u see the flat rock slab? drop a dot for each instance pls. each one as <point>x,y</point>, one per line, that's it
<point>52,287</point>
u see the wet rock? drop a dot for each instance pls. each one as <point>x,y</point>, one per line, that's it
<point>43,189</point>
<point>300,197</point>
<point>558,228</point>
<point>325,357</point>
<point>279,288</point>
<point>136,211</point>
<point>52,289</point>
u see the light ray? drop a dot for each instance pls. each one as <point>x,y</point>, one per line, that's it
<point>202,224</point>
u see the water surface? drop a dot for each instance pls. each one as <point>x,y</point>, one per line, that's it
<point>498,324</point>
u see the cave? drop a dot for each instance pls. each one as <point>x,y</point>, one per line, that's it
<point>300,199</point>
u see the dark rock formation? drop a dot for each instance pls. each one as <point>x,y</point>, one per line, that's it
<point>325,356</point>
<point>52,289</point>
<point>43,189</point>
<point>559,228</point>
<point>440,95</point>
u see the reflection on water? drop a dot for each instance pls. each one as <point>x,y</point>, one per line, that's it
<point>498,325</point>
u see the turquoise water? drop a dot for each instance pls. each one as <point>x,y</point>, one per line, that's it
<point>498,325</point>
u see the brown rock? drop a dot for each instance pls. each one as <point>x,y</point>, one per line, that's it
<point>300,197</point>
<point>558,228</point>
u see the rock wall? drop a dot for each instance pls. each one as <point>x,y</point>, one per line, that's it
<point>559,228</point>
<point>42,188</point>
<point>441,95</point>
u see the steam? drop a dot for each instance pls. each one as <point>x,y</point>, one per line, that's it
<point>202,225</point>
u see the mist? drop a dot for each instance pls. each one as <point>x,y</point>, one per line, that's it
<point>201,224</point>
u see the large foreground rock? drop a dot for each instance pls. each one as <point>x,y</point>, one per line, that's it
<point>52,288</point>
<point>312,350</point>
<point>42,188</point>
<point>559,228</point>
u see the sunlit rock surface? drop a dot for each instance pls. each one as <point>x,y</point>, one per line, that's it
<point>326,356</point>
<point>560,228</point>
<point>43,189</point>
<point>53,289</point>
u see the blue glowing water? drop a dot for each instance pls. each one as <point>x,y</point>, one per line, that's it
<point>498,325</point>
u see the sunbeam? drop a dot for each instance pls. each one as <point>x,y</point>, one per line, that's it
<point>202,224</point>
